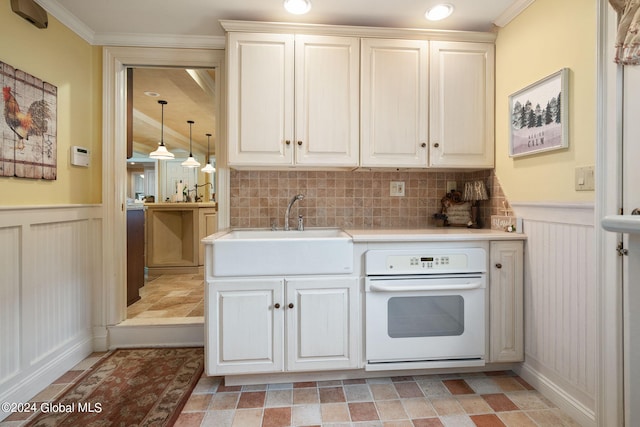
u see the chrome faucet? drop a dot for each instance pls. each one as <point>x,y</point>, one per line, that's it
<point>286,214</point>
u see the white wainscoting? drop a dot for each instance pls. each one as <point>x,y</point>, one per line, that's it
<point>560,305</point>
<point>49,265</point>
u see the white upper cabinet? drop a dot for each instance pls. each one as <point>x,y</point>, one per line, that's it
<point>394,82</point>
<point>324,97</point>
<point>424,99</point>
<point>327,109</point>
<point>461,125</point>
<point>274,122</point>
<point>260,99</point>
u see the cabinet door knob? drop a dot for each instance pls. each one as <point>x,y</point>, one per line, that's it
<point>299,142</point>
<point>436,145</point>
<point>424,144</point>
<point>290,305</point>
<point>276,305</point>
<point>498,265</point>
<point>287,142</point>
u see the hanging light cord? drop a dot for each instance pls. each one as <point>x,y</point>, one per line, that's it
<point>162,124</point>
<point>191,122</point>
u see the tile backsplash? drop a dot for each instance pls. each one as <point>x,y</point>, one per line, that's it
<point>350,199</point>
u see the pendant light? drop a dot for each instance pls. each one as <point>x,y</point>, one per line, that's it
<point>190,162</point>
<point>161,153</point>
<point>208,168</point>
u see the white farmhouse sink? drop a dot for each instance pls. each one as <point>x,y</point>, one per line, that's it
<point>262,252</point>
<point>263,234</point>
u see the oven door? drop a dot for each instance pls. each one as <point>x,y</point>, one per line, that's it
<point>425,319</point>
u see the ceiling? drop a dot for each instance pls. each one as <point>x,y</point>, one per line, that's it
<point>200,17</point>
<point>194,23</point>
<point>189,94</point>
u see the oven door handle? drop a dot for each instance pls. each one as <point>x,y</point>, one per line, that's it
<point>396,288</point>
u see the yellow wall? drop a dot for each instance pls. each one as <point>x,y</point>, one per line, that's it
<point>58,56</point>
<point>547,36</point>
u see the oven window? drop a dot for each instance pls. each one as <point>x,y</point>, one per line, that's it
<point>428,316</point>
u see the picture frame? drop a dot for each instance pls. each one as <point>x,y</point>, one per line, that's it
<point>538,116</point>
<point>28,130</point>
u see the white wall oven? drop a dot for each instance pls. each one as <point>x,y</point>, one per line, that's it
<point>425,308</point>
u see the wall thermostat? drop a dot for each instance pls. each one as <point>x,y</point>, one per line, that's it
<point>79,156</point>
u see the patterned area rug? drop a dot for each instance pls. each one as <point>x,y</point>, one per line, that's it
<point>129,387</point>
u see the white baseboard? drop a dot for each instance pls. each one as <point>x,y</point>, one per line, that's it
<point>287,377</point>
<point>132,336</point>
<point>40,378</point>
<point>549,389</point>
<point>100,338</point>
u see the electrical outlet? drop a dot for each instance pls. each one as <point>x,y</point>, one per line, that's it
<point>585,178</point>
<point>396,188</point>
<point>451,185</point>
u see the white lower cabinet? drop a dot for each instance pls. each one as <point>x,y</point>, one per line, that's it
<point>506,301</point>
<point>261,325</point>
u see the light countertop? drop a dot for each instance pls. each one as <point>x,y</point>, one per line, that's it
<point>185,205</point>
<point>436,234</point>
<point>431,234</point>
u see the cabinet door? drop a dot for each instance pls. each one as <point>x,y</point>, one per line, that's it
<point>462,98</point>
<point>506,318</point>
<point>327,77</point>
<point>260,99</point>
<point>394,103</point>
<point>322,323</point>
<point>207,225</point>
<point>244,328</point>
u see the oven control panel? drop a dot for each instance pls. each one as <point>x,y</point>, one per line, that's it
<point>392,262</point>
<point>427,262</point>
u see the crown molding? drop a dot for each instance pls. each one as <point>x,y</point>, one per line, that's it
<point>357,31</point>
<point>68,19</point>
<point>516,8</point>
<point>159,40</point>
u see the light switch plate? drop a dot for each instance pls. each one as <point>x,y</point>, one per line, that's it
<point>585,178</point>
<point>396,188</point>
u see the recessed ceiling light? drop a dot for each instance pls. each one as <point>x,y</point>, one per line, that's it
<point>438,12</point>
<point>297,7</point>
<point>152,94</point>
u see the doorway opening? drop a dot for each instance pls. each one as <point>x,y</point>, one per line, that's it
<point>110,299</point>
<point>169,206</point>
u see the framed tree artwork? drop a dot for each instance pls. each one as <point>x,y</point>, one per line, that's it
<point>538,116</point>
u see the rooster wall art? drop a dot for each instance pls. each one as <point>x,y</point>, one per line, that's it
<point>25,124</point>
<point>28,125</point>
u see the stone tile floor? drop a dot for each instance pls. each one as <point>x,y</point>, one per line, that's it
<point>492,399</point>
<point>479,399</point>
<point>167,298</point>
